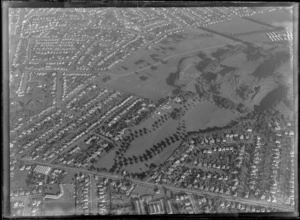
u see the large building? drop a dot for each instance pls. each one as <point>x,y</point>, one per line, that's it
<point>156,207</point>
<point>42,169</point>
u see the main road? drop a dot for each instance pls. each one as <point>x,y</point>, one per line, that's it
<point>173,188</point>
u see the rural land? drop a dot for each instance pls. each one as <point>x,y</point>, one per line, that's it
<point>144,111</point>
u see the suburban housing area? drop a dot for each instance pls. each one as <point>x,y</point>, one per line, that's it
<point>143,111</point>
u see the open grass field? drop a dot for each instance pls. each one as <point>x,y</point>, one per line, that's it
<point>237,26</point>
<point>142,190</point>
<point>165,154</point>
<point>69,178</point>
<point>207,114</point>
<point>255,38</point>
<point>157,160</point>
<point>151,88</point>
<point>141,167</point>
<point>140,145</point>
<point>65,205</point>
<point>276,17</point>
<point>265,87</point>
<point>107,161</point>
<point>19,180</point>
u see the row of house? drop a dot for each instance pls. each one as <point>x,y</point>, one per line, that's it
<point>280,36</point>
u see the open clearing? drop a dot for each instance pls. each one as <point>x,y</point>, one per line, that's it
<point>207,114</point>
<point>19,180</point>
<point>237,26</point>
<point>142,190</point>
<point>107,161</point>
<point>165,154</point>
<point>255,38</point>
<point>65,205</point>
<point>274,17</point>
<point>140,145</point>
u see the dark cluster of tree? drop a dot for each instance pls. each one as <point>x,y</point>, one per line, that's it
<point>172,78</point>
<point>223,102</point>
<point>106,78</point>
<point>154,149</point>
<point>243,91</point>
<point>203,63</point>
<point>232,124</point>
<point>270,65</point>
<point>241,108</point>
<point>215,88</point>
<point>153,67</point>
<point>176,113</point>
<point>254,53</point>
<point>201,55</point>
<point>200,91</point>
<point>140,61</point>
<point>187,95</point>
<point>160,121</point>
<point>155,57</point>
<point>226,69</point>
<point>140,176</point>
<point>177,37</point>
<point>272,99</point>
<point>177,90</point>
<point>219,52</point>
<point>209,76</point>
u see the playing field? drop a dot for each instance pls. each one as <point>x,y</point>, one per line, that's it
<point>65,205</point>
<point>237,26</point>
<point>207,114</point>
<point>140,145</point>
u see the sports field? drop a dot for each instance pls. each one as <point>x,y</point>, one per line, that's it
<point>65,205</point>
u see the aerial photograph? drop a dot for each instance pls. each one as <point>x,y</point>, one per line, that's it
<point>152,110</point>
